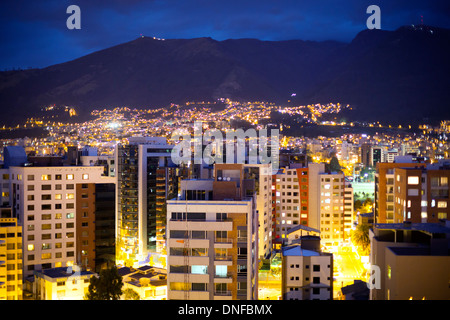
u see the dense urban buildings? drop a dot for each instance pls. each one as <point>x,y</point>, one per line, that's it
<point>109,194</point>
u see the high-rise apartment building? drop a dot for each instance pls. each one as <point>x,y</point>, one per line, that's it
<point>56,207</point>
<point>262,175</point>
<point>384,188</point>
<point>311,197</point>
<point>10,257</point>
<point>213,238</point>
<point>366,154</point>
<point>146,177</point>
<point>290,191</point>
<point>336,209</point>
<point>296,198</point>
<point>422,194</point>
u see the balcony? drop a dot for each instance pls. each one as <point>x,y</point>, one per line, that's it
<point>222,295</point>
<point>223,258</point>
<point>223,275</point>
<point>224,243</point>
<point>190,295</point>
<point>201,225</point>
<point>242,256</point>
<point>223,278</point>
<point>242,239</point>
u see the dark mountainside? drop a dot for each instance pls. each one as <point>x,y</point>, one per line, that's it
<point>383,75</point>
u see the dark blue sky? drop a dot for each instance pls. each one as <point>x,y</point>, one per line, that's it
<point>34,33</point>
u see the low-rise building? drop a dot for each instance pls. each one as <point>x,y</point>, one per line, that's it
<point>150,283</point>
<point>63,283</point>
<point>410,261</point>
<point>306,271</point>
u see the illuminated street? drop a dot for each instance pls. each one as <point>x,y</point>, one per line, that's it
<point>348,267</point>
<point>269,286</point>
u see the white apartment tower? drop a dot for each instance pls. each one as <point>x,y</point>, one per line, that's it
<point>336,209</point>
<point>46,201</point>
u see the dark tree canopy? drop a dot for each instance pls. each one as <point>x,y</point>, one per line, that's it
<point>108,286</point>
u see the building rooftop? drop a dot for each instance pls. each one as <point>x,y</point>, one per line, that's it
<point>425,227</point>
<point>63,272</point>
<point>144,275</point>
<point>410,251</point>
<point>358,289</point>
<point>302,227</point>
<point>296,250</point>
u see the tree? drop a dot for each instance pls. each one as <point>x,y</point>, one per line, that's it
<point>334,165</point>
<point>130,294</point>
<point>108,286</point>
<point>360,237</point>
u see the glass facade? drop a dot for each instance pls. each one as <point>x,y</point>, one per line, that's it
<point>161,181</point>
<point>128,233</point>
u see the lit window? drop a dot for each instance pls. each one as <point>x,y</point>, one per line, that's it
<point>69,176</point>
<point>221,271</point>
<point>58,196</point>
<point>30,247</point>
<point>46,177</point>
<point>70,196</point>
<point>442,204</point>
<point>413,180</point>
<point>442,215</point>
<point>198,269</point>
<point>85,176</point>
<point>45,256</point>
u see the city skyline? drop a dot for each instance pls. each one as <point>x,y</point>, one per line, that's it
<point>225,151</point>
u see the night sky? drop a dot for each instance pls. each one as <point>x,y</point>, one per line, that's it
<point>34,33</point>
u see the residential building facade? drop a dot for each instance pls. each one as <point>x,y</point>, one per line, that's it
<point>306,271</point>
<point>213,241</point>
